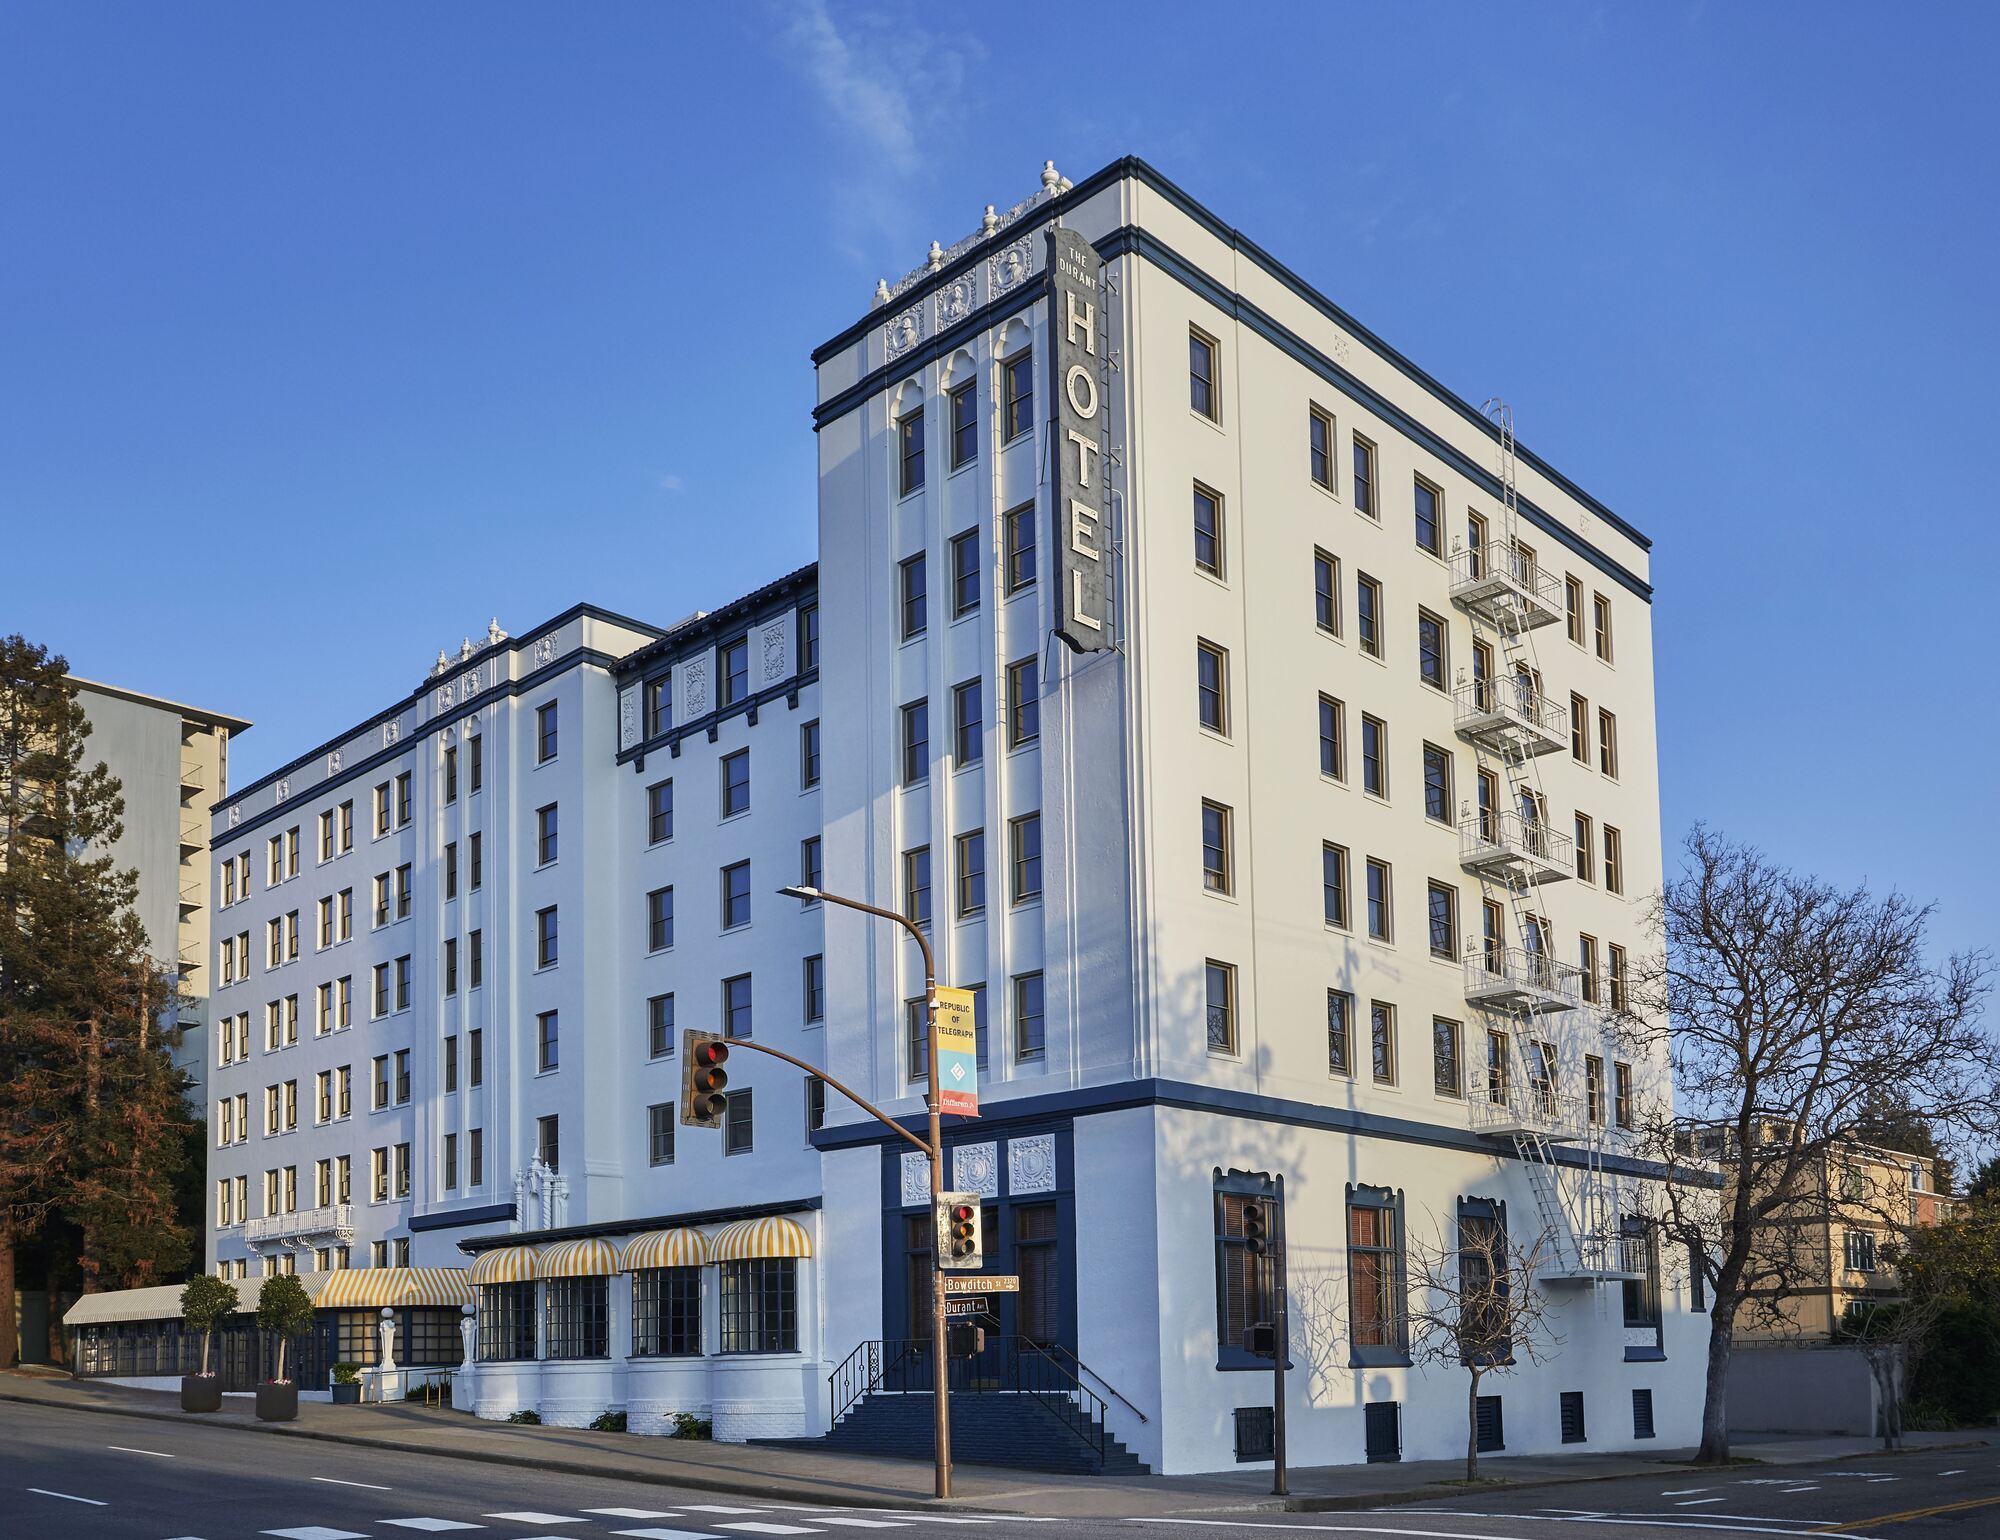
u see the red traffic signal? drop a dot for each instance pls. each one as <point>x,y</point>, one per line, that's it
<point>703,1079</point>
<point>958,1231</point>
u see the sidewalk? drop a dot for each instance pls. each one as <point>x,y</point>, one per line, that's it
<point>809,1476</point>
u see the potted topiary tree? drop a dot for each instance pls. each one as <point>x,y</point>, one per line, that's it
<point>346,1384</point>
<point>283,1310</point>
<point>204,1302</point>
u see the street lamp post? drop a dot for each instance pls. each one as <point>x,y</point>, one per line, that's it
<point>934,1148</point>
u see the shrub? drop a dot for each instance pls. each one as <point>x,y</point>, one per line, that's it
<point>204,1302</point>
<point>608,1422</point>
<point>687,1425</point>
<point>526,1415</point>
<point>347,1374</point>
<point>284,1309</point>
<point>1959,1374</point>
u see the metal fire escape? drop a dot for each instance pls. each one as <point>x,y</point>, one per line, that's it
<point>1531,1002</point>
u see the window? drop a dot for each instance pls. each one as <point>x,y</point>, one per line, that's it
<point>1364,476</point>
<point>451,1162</point>
<point>402,1078</point>
<point>736,895</point>
<point>1447,1066</point>
<point>970,852</point>
<point>1600,618</point>
<point>1573,608</point>
<point>809,754</point>
<point>403,892</point>
<point>916,596</point>
<point>910,441</point>
<point>1642,1294</point>
<point>475,748</point>
<point>545,834</point>
<point>809,863</point>
<point>548,1141</point>
<point>1380,918</point>
<point>1437,784</point>
<point>1382,1041</point>
<point>1586,960</point>
<point>1332,738</point>
<point>1614,976</point>
<point>1443,899</point>
<point>916,1040</point>
<point>1245,1281</point>
<point>1614,860</point>
<point>475,1058</point>
<point>378,1085</point>
<point>1215,870</point>
<point>1593,1090</point>
<point>659,705</point>
<point>1375,1276</point>
<point>732,665</point>
<point>381,998</point>
<point>1586,849</point>
<point>1430,519</point>
<point>814,990</point>
<point>1374,756</point>
<point>968,728</point>
<point>1431,660</point>
<point>1028,1038</point>
<point>1326,592</point>
<point>917,885</point>
<point>1333,884</point>
<point>1621,1094</point>
<point>964,424</point>
<point>1642,1414</point>
<point>1025,841</point>
<point>547,953</point>
<point>1202,384</point>
<point>475,845</point>
<point>1860,1249</point>
<point>660,919</point>
<point>1024,701</point>
<point>506,1321</point>
<point>1221,992</point>
<point>1571,1402</point>
<point>1019,527</point>
<point>475,967</point>
<point>659,812</point>
<point>1208,531</point>
<point>545,733</point>
<point>579,1318</point>
<point>760,1304</point>
<point>916,742</point>
<point>1339,1032</point>
<point>666,1312</point>
<point>660,1026</point>
<point>965,574</point>
<point>1017,383</point>
<point>1319,447</point>
<point>450,1063</point>
<point>1489,1429</point>
<point>815,1105</point>
<point>1607,743</point>
<point>735,783</point>
<point>1579,729</point>
<point>326,836</point>
<point>660,1134</point>
<point>1475,544</point>
<point>808,638</point>
<point>1368,614</point>
<point>736,1011</point>
<point>1211,686</point>
<point>739,1124</point>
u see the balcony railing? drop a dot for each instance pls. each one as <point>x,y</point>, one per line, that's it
<point>1509,717</point>
<point>335,1220</point>
<point>1512,848</point>
<point>194,775</point>
<point>1505,586</point>
<point>1514,978</point>
<point>193,834</point>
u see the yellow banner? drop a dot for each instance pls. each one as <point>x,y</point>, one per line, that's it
<point>958,1051</point>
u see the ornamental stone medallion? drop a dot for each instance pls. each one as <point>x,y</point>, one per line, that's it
<point>1008,268</point>
<point>902,332</point>
<point>545,649</point>
<point>976,1168</point>
<point>916,1180</point>
<point>1031,1165</point>
<point>954,301</point>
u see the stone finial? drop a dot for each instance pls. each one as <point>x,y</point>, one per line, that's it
<point>1065,185</point>
<point>936,257</point>
<point>443,662</point>
<point>494,635</point>
<point>1051,178</point>
<point>990,223</point>
<point>881,291</point>
<point>464,648</point>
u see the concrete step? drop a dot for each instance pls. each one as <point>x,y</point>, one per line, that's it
<point>1014,1431</point>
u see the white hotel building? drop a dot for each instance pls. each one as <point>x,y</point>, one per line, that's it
<point>1311,881</point>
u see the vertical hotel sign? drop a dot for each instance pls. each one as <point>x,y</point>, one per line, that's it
<point>958,1053</point>
<point>1081,606</point>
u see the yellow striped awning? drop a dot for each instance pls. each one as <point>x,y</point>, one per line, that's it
<point>373,1288</point>
<point>505,1264</point>
<point>577,1259</point>
<point>748,1239</point>
<point>663,1248</point>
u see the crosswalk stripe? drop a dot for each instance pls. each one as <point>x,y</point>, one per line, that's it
<point>757,1528</point>
<point>865,1523</point>
<point>665,1534</point>
<point>538,1518</point>
<point>631,1513</point>
<point>718,1508</point>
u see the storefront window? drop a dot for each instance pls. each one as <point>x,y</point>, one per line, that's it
<point>578,1318</point>
<point>760,1305</point>
<point>506,1321</point>
<point>666,1312</point>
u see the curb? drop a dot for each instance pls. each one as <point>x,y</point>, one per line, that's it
<point>695,1480</point>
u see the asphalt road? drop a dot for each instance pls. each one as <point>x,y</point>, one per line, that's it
<point>95,1477</point>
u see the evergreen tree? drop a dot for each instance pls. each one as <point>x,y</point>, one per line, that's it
<point>92,1121</point>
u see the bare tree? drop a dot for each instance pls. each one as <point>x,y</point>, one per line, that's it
<point>1792,1013</point>
<point>1476,1303</point>
<point>1892,1331</point>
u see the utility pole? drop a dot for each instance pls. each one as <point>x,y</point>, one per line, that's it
<point>1281,1344</point>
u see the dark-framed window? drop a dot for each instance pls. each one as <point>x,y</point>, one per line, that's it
<point>735,783</point>
<point>548,1041</point>
<point>659,705</point>
<point>917,885</point>
<point>666,1312</point>
<point>808,638</point>
<point>916,742</point>
<point>506,1322</point>
<point>1326,592</point>
<point>1437,783</point>
<point>1443,903</point>
<point>660,1122</point>
<point>1024,701</point>
<point>968,727</point>
<point>1430,518</point>
<point>546,741</point>
<point>660,1025</point>
<point>1333,883</point>
<point>965,574</point>
<point>810,865</point>
<point>1382,1041</point>
<point>660,919</point>
<point>1447,1061</point>
<point>1019,528</point>
<point>1339,1032</point>
<point>1245,1284</point>
<point>1211,687</point>
<point>732,667</point>
<point>1208,531</point>
<point>760,1305</point>
<point>910,450</point>
<point>1029,1040</point>
<point>964,424</point>
<point>913,576</point>
<point>547,947</point>
<point>1368,614</point>
<point>970,849</point>
<point>735,895</point>
<point>548,1141</point>
<point>809,754</point>
<point>814,987</point>
<point>1378,1322</point>
<point>1364,476</point>
<point>736,1009</point>
<point>1219,988</point>
<point>579,1318</point>
<point>546,834</point>
<point>1025,838</point>
<point>1319,446</point>
<point>1641,1296</point>
<point>1017,379</point>
<point>1203,387</point>
<point>1332,738</point>
<point>1381,918</point>
<point>739,1124</point>
<point>1431,659</point>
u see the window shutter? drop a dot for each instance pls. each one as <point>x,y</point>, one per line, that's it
<point>1642,1414</point>
<point>1382,1422</point>
<point>1256,1434</point>
<point>1572,1417</point>
<point>1492,1435</point>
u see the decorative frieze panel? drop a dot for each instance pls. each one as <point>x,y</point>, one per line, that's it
<point>976,1168</point>
<point>693,680</point>
<point>628,716</point>
<point>1031,1165</point>
<point>771,651</point>
<point>916,1180</point>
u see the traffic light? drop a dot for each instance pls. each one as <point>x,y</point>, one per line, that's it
<point>964,1341</point>
<point>1261,1339</point>
<point>958,1229</point>
<point>1256,1229</point>
<point>703,1078</point>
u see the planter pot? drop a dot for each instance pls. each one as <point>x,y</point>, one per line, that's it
<point>201,1392</point>
<point>346,1395</point>
<point>277,1403</point>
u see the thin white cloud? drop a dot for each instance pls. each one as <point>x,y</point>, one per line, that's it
<point>667,481</point>
<point>856,84</point>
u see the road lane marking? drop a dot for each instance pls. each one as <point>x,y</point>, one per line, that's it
<point>125,1449</point>
<point>1696,1502</point>
<point>335,1481</point>
<point>664,1534</point>
<point>68,1497</point>
<point>537,1518</point>
<point>1958,1472</point>
<point>1758,1526</point>
<point>756,1528</point>
<point>1904,1517</point>
<point>1683,1491</point>
<point>315,1532</point>
<point>429,1526</point>
<point>633,1513</point>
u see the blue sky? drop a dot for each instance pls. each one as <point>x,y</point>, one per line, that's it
<point>328,332</point>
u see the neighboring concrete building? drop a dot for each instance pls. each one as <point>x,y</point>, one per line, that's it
<point>1268,893</point>
<point>173,763</point>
